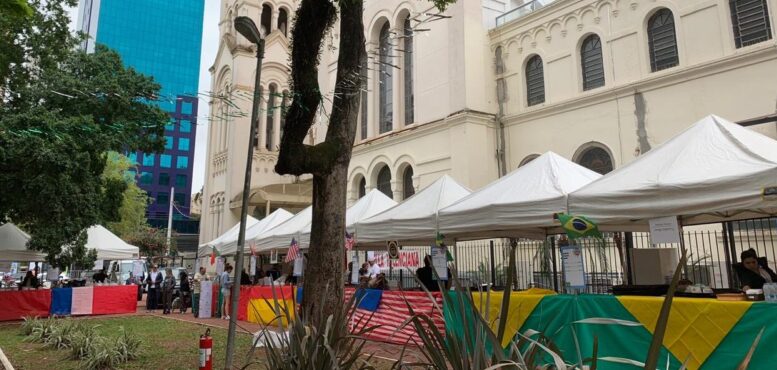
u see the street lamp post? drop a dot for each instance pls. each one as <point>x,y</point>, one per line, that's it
<point>246,27</point>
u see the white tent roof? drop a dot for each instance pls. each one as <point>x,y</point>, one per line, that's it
<point>277,217</point>
<point>281,235</point>
<point>413,220</point>
<point>713,171</point>
<point>231,234</point>
<point>521,203</point>
<point>108,245</point>
<point>13,245</point>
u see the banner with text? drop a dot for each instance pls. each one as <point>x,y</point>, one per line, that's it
<point>406,259</point>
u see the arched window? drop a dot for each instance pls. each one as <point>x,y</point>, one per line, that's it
<point>283,21</point>
<point>596,159</point>
<point>266,22</point>
<point>535,81</point>
<point>750,20</point>
<point>528,159</point>
<point>500,67</point>
<point>362,187</point>
<point>363,109</point>
<point>271,102</point>
<point>408,69</point>
<point>284,108</point>
<point>385,81</point>
<point>384,182</point>
<point>256,124</point>
<point>591,62</point>
<point>407,183</point>
<point>662,41</point>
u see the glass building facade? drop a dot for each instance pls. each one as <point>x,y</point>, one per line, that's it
<point>162,39</point>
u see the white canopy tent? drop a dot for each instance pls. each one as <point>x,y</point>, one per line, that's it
<point>108,245</point>
<point>713,171</point>
<point>229,235</point>
<point>13,245</point>
<point>520,204</point>
<point>415,219</point>
<point>277,217</point>
<point>280,236</point>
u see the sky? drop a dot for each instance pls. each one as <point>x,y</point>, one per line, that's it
<point>210,44</point>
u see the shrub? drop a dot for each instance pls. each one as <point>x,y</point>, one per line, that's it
<point>40,330</point>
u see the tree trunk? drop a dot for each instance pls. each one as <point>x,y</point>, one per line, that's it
<point>327,161</point>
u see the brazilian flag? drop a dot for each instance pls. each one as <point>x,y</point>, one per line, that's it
<point>578,226</point>
<point>438,241</point>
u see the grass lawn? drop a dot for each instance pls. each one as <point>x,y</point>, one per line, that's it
<point>167,344</point>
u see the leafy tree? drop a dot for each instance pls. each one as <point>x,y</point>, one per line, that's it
<point>152,241</point>
<point>62,110</point>
<point>327,161</point>
<point>134,200</point>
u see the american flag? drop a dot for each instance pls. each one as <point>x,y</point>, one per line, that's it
<point>293,251</point>
<point>349,241</point>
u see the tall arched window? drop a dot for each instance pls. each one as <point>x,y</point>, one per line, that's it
<point>384,182</point>
<point>283,22</point>
<point>284,108</point>
<point>750,21</point>
<point>596,159</point>
<point>271,102</point>
<point>407,183</point>
<point>662,41</point>
<point>362,187</point>
<point>500,68</point>
<point>535,81</point>
<point>266,22</point>
<point>385,81</point>
<point>363,109</point>
<point>256,124</point>
<point>408,69</point>
<point>591,62</point>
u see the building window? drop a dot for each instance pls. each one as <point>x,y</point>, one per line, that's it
<point>163,199</point>
<point>165,160</point>
<point>148,159</point>
<point>170,126</point>
<point>168,142</point>
<point>750,20</point>
<point>362,187</point>
<point>186,126</point>
<point>385,81</point>
<point>182,162</point>
<point>283,21</point>
<point>384,182</point>
<point>591,62</point>
<point>180,181</point>
<point>363,109</point>
<point>266,22</point>
<point>133,158</point>
<point>662,41</point>
<point>146,178</point>
<point>596,159</point>
<point>183,144</point>
<point>186,107</point>
<point>257,127</point>
<point>407,183</point>
<point>499,65</point>
<point>408,70</point>
<point>164,178</point>
<point>270,108</point>
<point>535,81</point>
<point>179,199</point>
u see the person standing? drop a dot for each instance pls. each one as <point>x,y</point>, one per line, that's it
<point>186,292</point>
<point>226,287</point>
<point>199,277</point>
<point>29,282</point>
<point>153,283</point>
<point>168,285</point>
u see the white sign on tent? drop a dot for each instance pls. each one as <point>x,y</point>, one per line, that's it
<point>574,270</point>
<point>440,261</point>
<point>664,230</point>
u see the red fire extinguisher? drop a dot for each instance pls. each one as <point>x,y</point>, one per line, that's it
<point>206,351</point>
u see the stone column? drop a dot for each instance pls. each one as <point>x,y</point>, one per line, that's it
<point>263,124</point>
<point>396,189</point>
<point>276,127</point>
<point>274,22</point>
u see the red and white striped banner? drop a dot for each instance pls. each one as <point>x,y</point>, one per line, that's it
<point>393,311</point>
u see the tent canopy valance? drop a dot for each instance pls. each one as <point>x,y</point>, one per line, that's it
<point>713,171</point>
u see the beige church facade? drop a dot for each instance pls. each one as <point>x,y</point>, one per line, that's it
<point>484,87</point>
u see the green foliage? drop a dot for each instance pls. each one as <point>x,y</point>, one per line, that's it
<point>39,329</point>
<point>152,241</point>
<point>105,353</point>
<point>62,111</point>
<point>134,200</point>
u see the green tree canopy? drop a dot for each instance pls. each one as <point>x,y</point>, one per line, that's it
<point>62,111</point>
<point>134,200</point>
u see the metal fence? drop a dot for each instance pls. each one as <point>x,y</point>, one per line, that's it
<point>712,250</point>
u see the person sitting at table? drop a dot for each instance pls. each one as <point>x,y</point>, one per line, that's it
<point>100,276</point>
<point>29,282</point>
<point>753,274</point>
<point>426,276</point>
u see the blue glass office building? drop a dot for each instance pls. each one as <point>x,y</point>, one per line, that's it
<point>159,38</point>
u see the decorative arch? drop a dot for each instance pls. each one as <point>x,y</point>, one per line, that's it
<point>662,41</point>
<point>375,165</point>
<point>383,181</point>
<point>283,21</point>
<point>265,22</point>
<point>595,156</point>
<point>528,159</point>
<point>591,56</point>
<point>358,184</point>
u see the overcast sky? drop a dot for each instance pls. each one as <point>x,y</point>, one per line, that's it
<point>210,45</point>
